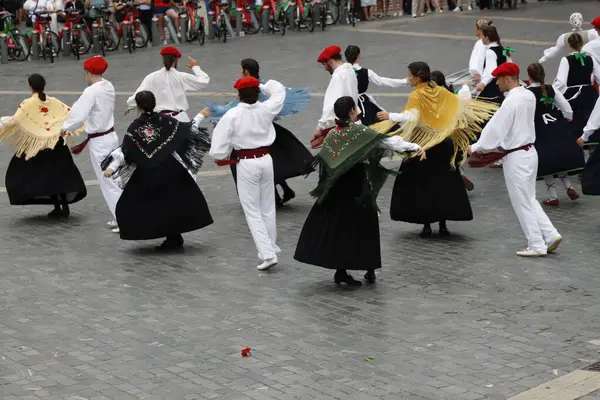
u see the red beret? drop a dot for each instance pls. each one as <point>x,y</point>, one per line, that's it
<point>170,50</point>
<point>596,22</point>
<point>328,53</point>
<point>246,82</point>
<point>96,65</point>
<point>507,69</point>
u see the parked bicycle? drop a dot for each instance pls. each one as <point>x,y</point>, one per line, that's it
<point>107,33</point>
<point>132,26</point>
<point>48,42</point>
<point>18,46</point>
<point>80,39</point>
<point>277,16</point>
<point>220,17</point>
<point>304,17</point>
<point>251,21</point>
<point>195,23</point>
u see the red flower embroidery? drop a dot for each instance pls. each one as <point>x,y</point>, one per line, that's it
<point>148,132</point>
<point>68,108</point>
<point>246,352</point>
<point>44,110</point>
<point>48,129</point>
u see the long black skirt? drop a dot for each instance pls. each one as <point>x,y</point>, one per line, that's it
<point>342,233</point>
<point>160,202</point>
<point>491,93</point>
<point>430,190</point>
<point>558,153</point>
<point>43,178</point>
<point>582,106</point>
<point>590,185</point>
<point>290,157</point>
<point>369,109</point>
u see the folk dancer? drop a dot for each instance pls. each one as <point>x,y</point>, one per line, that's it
<point>477,59</point>
<point>290,157</point>
<point>444,125</point>
<point>42,170</point>
<point>169,85</point>
<point>590,184</point>
<point>575,77</point>
<point>248,129</point>
<point>95,107</point>
<point>342,230</point>
<point>343,83</point>
<point>592,47</point>
<point>512,128</point>
<point>156,163</point>
<point>366,103</point>
<point>562,46</point>
<point>558,153</point>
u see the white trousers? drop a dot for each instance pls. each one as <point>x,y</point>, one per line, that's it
<point>100,148</point>
<point>257,196</point>
<point>520,170</point>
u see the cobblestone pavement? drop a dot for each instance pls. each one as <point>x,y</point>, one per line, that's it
<point>84,315</point>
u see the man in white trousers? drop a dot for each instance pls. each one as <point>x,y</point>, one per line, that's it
<point>512,129</point>
<point>96,107</point>
<point>248,130</point>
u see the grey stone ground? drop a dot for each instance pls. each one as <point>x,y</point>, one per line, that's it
<point>84,315</point>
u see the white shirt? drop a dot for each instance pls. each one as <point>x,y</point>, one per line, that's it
<point>512,126</point>
<point>491,63</point>
<point>593,49</point>
<point>562,76</point>
<point>593,122</point>
<point>400,145</point>
<point>96,106</point>
<point>169,88</point>
<point>559,102</point>
<point>382,81</point>
<point>343,83</point>
<point>561,46</point>
<point>248,126</point>
<point>477,58</point>
<point>42,5</point>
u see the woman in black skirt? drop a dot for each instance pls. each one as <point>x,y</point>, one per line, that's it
<point>495,55</point>
<point>42,170</point>
<point>558,153</point>
<point>342,229</point>
<point>156,163</point>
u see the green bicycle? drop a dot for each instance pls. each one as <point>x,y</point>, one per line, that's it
<point>17,43</point>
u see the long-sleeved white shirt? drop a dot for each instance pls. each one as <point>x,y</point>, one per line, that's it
<point>248,126</point>
<point>593,49</point>
<point>96,106</point>
<point>42,5</point>
<point>561,46</point>
<point>382,81</point>
<point>593,123</point>
<point>491,63</point>
<point>512,126</point>
<point>169,88</point>
<point>400,145</point>
<point>559,102</point>
<point>562,76</point>
<point>477,58</point>
<point>343,83</point>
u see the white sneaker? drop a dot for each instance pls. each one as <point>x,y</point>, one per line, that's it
<point>116,230</point>
<point>414,15</point>
<point>527,252</point>
<point>457,9</point>
<point>112,224</point>
<point>268,263</point>
<point>553,245</point>
<point>470,8</point>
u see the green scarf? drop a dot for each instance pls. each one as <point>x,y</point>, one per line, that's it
<point>342,150</point>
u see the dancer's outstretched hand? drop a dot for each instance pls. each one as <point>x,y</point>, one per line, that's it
<point>192,63</point>
<point>205,112</point>
<point>383,115</point>
<point>421,153</point>
<point>580,142</point>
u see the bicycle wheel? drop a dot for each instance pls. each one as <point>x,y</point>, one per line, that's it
<point>310,22</point>
<point>49,47</point>
<point>333,10</point>
<point>201,34</point>
<point>111,38</point>
<point>323,15</point>
<point>252,27</point>
<point>281,24</point>
<point>75,43</point>
<point>141,34</point>
<point>85,41</point>
<point>130,39</point>
<point>351,14</point>
<point>21,49</point>
<point>223,30</point>
<point>102,42</point>
<point>55,42</point>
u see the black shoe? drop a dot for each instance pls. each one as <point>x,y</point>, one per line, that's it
<point>426,232</point>
<point>444,232</point>
<point>344,277</point>
<point>56,213</point>
<point>288,195</point>
<point>65,211</point>
<point>171,243</point>
<point>278,201</point>
<point>370,276</point>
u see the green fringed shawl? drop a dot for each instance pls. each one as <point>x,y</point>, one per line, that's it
<point>342,150</point>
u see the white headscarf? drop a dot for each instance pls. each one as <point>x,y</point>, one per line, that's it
<point>576,21</point>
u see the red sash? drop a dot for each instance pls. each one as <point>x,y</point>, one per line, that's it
<point>479,160</point>
<point>317,141</point>
<point>243,154</point>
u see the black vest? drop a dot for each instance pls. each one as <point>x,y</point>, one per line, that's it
<point>542,108</point>
<point>580,74</point>
<point>362,75</point>
<point>500,58</point>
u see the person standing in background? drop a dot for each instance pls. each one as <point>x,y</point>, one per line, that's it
<point>367,6</point>
<point>146,13</point>
<point>417,8</point>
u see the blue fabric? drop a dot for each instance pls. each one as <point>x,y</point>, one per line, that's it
<point>295,100</point>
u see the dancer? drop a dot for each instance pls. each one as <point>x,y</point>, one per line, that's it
<point>42,170</point>
<point>562,46</point>
<point>593,46</point>
<point>154,163</point>
<point>169,85</point>
<point>574,80</point>
<point>367,104</point>
<point>343,83</point>
<point>95,107</point>
<point>444,125</point>
<point>590,183</point>
<point>248,129</point>
<point>495,55</point>
<point>512,128</point>
<point>290,157</point>
<point>342,230</point>
<point>558,153</point>
<point>477,59</point>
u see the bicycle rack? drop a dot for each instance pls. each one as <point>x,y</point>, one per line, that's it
<point>3,48</point>
<point>95,39</point>
<point>291,15</point>
<point>66,42</point>
<point>211,28</point>
<point>343,11</point>
<point>126,28</point>
<point>154,34</point>
<point>183,26</point>
<point>265,19</point>
<point>317,9</point>
<point>238,21</point>
<point>35,45</point>
<point>172,32</point>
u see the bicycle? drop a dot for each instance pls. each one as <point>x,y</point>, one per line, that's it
<point>304,16</point>
<point>48,41</point>
<point>277,18</point>
<point>220,16</point>
<point>322,12</point>
<point>351,11</point>
<point>107,36</point>
<point>79,37</point>
<point>137,33</point>
<point>195,23</point>
<point>332,11</point>
<point>18,46</point>
<point>251,21</point>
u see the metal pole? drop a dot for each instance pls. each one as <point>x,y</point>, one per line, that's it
<point>344,12</point>
<point>211,25</point>
<point>35,45</point>
<point>183,19</point>
<point>238,21</point>
<point>3,49</point>
<point>317,11</point>
<point>265,19</point>
<point>66,42</point>
<point>291,14</point>
<point>172,30</point>
<point>126,28</point>
<point>155,35</point>
<point>230,30</point>
<point>95,39</point>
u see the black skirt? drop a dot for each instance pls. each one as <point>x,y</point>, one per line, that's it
<point>430,190</point>
<point>342,233</point>
<point>159,202</point>
<point>558,153</point>
<point>41,179</point>
<point>492,93</point>
<point>582,106</point>
<point>590,184</point>
<point>369,110</point>
<point>290,157</point>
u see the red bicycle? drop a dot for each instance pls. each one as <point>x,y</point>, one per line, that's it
<point>304,16</point>
<point>48,41</point>
<point>132,26</point>
<point>195,23</point>
<point>251,22</point>
<point>80,38</point>
<point>277,16</point>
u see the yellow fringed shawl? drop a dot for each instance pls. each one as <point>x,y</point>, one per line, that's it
<point>35,126</point>
<point>441,115</point>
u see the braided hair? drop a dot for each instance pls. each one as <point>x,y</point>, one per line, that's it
<point>37,83</point>
<point>537,74</point>
<point>575,41</point>
<point>352,53</point>
<point>342,108</point>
